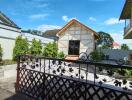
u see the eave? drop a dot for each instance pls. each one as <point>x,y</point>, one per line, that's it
<point>126,12</point>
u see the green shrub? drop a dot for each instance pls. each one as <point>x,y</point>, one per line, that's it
<point>96,55</point>
<point>124,72</point>
<point>21,47</point>
<point>36,47</point>
<point>124,47</point>
<point>50,50</point>
<point>61,54</point>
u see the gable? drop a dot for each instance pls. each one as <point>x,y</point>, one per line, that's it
<point>76,32</point>
<point>77,26</point>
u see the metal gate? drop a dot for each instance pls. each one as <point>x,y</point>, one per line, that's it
<point>56,79</point>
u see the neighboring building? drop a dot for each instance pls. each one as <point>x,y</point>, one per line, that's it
<point>75,38</point>
<point>8,33</point>
<point>127,16</point>
<point>116,45</point>
<point>51,34</point>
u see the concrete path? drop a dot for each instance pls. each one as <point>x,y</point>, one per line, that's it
<point>7,84</point>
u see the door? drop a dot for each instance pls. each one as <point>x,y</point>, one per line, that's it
<point>74,47</point>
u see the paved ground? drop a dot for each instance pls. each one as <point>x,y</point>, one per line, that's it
<point>7,83</point>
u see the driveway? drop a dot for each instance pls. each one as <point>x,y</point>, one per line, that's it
<point>7,84</point>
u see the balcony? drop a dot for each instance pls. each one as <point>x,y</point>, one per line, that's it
<point>128,31</point>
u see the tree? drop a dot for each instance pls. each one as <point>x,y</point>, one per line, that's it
<point>105,40</point>
<point>21,47</point>
<point>34,32</point>
<point>124,47</point>
<point>50,50</point>
<point>36,47</point>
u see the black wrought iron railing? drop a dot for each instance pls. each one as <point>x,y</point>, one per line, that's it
<point>128,27</point>
<point>59,79</point>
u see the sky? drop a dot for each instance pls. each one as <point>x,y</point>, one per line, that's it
<point>100,15</point>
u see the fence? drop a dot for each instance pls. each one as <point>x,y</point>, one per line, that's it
<point>58,79</point>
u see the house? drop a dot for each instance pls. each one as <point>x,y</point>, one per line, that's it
<point>8,33</point>
<point>75,38</point>
<point>116,45</point>
<point>126,15</point>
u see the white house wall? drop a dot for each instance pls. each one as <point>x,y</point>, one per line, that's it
<point>8,36</point>
<point>76,32</point>
<point>7,46</point>
<point>7,40</point>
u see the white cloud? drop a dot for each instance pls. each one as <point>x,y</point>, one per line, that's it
<point>92,19</point>
<point>37,16</point>
<point>112,21</point>
<point>66,19</point>
<point>45,27</point>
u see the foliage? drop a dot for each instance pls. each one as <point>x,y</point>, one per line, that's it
<point>21,47</point>
<point>34,32</point>
<point>61,54</point>
<point>104,47</point>
<point>124,72</point>
<point>96,55</point>
<point>106,41</point>
<point>50,50</point>
<point>124,47</point>
<point>36,47</point>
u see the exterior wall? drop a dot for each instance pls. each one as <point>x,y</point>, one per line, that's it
<point>7,46</point>
<point>8,36</point>
<point>116,54</point>
<point>7,40</point>
<point>76,32</point>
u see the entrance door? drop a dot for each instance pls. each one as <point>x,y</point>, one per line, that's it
<point>74,46</point>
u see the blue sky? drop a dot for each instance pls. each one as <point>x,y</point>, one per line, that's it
<point>101,15</point>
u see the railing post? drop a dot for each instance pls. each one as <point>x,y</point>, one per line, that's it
<point>79,71</point>
<point>40,64</point>
<point>86,82</point>
<point>17,77</point>
<point>94,74</point>
<point>131,18</point>
<point>43,91</point>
